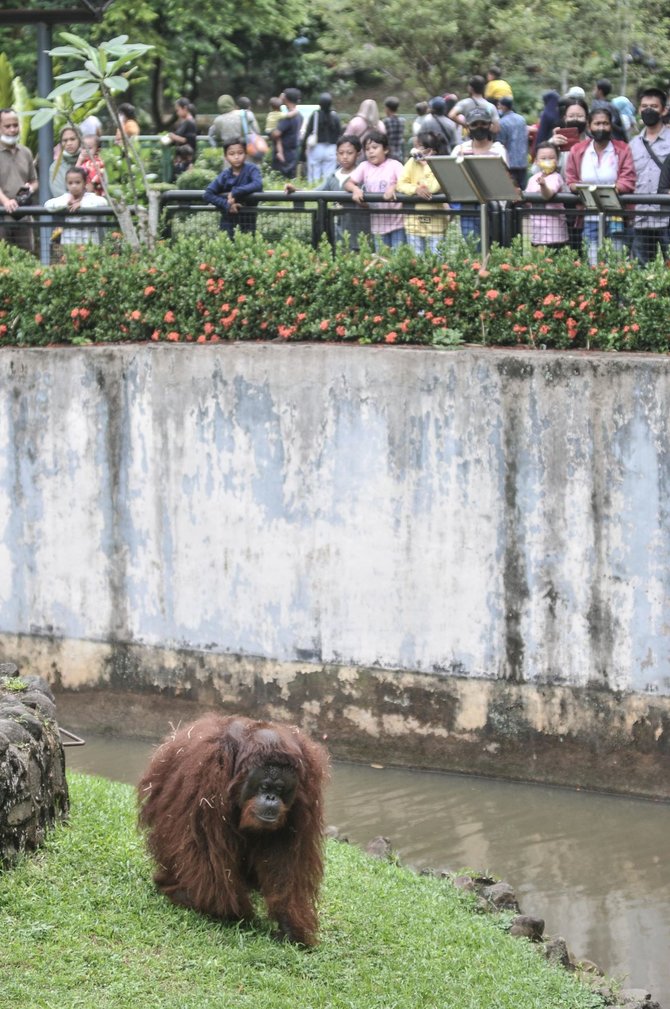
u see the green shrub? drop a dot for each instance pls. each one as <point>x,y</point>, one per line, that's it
<point>202,287</point>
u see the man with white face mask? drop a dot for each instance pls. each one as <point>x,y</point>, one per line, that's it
<point>18,180</point>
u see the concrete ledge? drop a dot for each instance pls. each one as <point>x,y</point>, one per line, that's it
<point>557,734</point>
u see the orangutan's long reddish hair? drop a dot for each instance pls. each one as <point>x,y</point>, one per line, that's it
<point>201,783</point>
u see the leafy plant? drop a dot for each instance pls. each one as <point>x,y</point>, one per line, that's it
<point>14,95</point>
<point>201,287</point>
<point>105,72</point>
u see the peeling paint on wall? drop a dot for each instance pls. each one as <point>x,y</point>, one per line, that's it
<point>481,517</point>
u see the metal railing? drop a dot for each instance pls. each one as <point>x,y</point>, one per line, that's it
<point>641,227</point>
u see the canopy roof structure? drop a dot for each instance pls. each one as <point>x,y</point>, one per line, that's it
<point>46,13</point>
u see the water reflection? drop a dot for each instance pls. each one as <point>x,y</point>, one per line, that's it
<point>595,867</point>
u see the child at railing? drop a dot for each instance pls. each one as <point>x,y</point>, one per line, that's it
<point>379,174</point>
<point>353,222</point>
<point>426,227</point>
<point>77,198</point>
<point>550,230</point>
<point>229,190</point>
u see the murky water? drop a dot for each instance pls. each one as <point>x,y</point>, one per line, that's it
<point>595,867</point>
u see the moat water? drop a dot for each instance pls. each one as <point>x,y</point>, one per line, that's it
<point>595,867</point>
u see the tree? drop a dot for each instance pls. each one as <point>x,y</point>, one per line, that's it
<point>427,48</point>
<point>105,72</point>
<point>193,42</point>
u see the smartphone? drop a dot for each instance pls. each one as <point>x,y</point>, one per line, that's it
<point>571,134</point>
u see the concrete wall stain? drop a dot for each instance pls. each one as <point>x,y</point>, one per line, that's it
<point>459,560</point>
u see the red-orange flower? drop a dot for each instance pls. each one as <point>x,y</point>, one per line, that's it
<point>149,290</point>
<point>391,337</point>
<point>169,317</point>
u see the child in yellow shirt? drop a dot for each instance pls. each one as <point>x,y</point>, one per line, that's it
<point>427,226</point>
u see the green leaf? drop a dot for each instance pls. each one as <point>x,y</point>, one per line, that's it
<point>116,83</point>
<point>80,44</point>
<point>64,51</point>
<point>114,43</point>
<point>42,117</point>
<point>73,75</point>
<point>94,69</point>
<point>62,89</point>
<point>85,91</point>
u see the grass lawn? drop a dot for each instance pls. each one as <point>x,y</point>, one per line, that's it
<point>82,926</point>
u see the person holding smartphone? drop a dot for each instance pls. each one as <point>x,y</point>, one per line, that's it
<point>601,161</point>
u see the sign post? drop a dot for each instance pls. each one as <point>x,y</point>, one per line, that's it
<point>475,178</point>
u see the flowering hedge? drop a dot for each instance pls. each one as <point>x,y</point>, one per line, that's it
<point>204,291</point>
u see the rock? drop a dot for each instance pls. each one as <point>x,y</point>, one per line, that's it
<point>528,927</point>
<point>335,835</point>
<point>502,896</point>
<point>380,847</point>
<point>555,950</point>
<point>37,699</point>
<point>33,789</point>
<point>636,998</point>
<point>14,732</point>
<point>464,883</point>
<point>20,813</point>
<point>37,683</point>
<point>28,721</point>
<point>588,967</point>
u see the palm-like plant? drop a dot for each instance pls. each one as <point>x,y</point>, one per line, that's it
<point>105,72</point>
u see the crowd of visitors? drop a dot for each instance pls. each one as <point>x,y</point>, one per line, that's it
<point>576,144</point>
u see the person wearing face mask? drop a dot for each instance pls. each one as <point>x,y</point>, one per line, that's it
<point>575,112</point>
<point>548,231</point>
<point>18,181</point>
<point>601,161</point>
<point>650,148</point>
<point>480,141</point>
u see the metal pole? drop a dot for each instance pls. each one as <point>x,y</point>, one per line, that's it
<point>484,228</point>
<point>45,136</point>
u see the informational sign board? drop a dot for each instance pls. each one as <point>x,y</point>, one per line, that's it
<point>599,197</point>
<point>473,178</point>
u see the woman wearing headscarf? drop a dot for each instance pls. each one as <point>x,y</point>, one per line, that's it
<point>68,156</point>
<point>550,118</point>
<point>228,124</point>
<point>626,111</point>
<point>365,121</point>
<point>319,143</point>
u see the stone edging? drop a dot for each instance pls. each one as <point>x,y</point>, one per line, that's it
<point>34,792</point>
<point>495,896</point>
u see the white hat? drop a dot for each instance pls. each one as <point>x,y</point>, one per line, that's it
<point>576,92</point>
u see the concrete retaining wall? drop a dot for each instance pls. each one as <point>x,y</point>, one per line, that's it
<point>455,559</point>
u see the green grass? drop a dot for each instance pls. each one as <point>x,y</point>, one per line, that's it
<point>82,926</point>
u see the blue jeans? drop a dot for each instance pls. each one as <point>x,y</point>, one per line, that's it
<point>614,230</point>
<point>424,243</point>
<point>390,239</point>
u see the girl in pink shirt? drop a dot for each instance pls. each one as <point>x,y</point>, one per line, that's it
<point>550,230</point>
<point>379,174</point>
